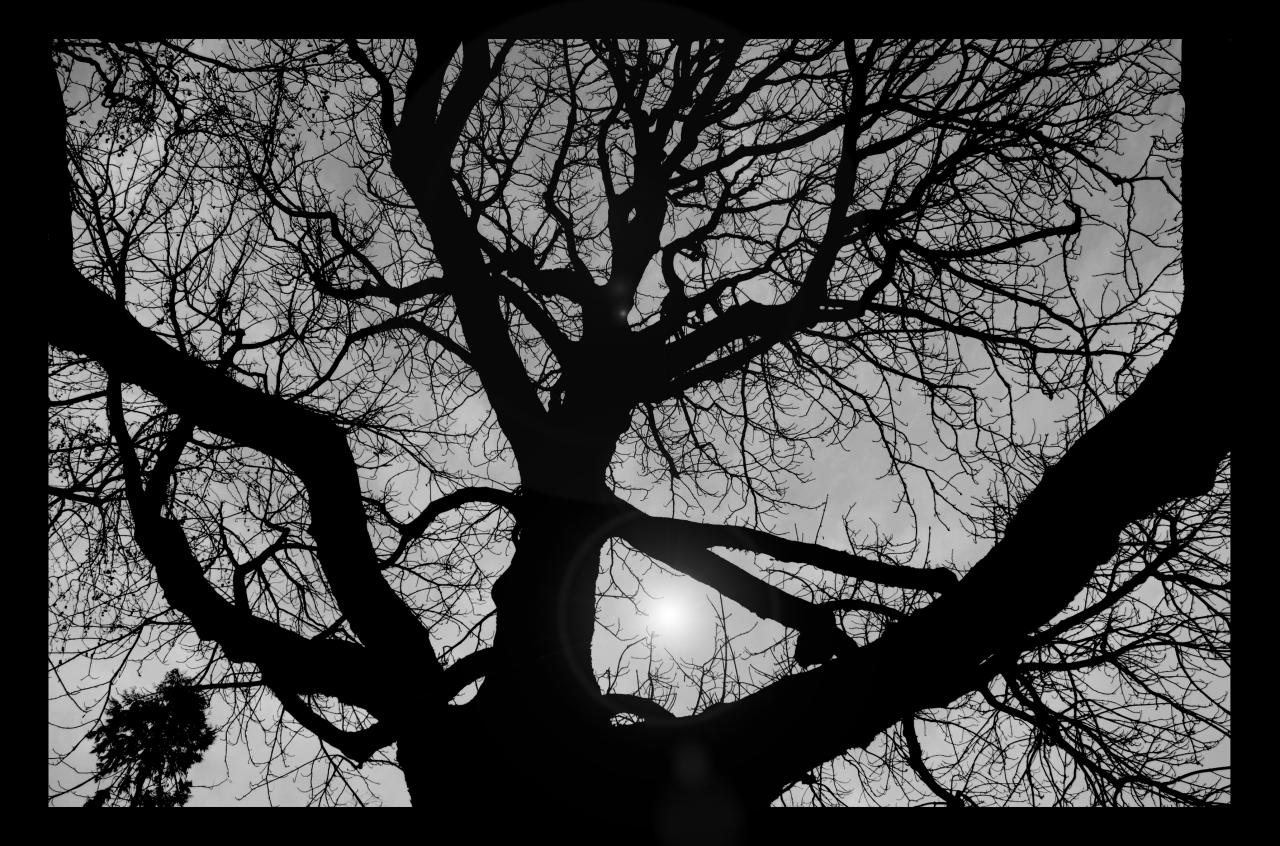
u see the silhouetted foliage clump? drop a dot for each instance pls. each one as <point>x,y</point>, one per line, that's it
<point>148,742</point>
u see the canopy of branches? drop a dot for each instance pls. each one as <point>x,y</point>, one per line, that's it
<point>393,380</point>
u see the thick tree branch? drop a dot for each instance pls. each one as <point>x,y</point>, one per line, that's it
<point>359,746</point>
<point>413,530</point>
<point>421,149</point>
<point>626,703</point>
<point>784,549</point>
<point>561,347</point>
<point>663,540</point>
<point>468,669</point>
<point>386,96</point>
<point>1118,472</point>
<point>92,324</point>
<point>335,668</point>
<point>915,757</point>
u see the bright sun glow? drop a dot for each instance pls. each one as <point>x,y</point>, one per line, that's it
<point>677,614</point>
<point>668,615</point>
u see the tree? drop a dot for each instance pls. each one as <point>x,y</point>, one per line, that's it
<point>148,742</point>
<point>376,365</point>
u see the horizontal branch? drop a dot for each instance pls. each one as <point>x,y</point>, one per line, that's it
<point>384,289</point>
<point>800,552</point>
<point>79,399</point>
<point>67,493</point>
<point>933,254</point>
<point>984,336</point>
<point>863,605</point>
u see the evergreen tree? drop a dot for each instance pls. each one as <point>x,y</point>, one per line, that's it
<point>147,744</point>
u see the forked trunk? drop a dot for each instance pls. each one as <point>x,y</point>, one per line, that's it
<point>538,735</point>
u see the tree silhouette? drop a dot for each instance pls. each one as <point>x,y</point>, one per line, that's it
<point>147,743</point>
<point>387,376</point>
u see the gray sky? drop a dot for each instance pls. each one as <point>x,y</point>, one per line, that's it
<point>682,617</point>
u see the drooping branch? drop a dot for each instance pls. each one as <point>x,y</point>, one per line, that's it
<point>998,339</point>
<point>413,530</point>
<point>359,745</point>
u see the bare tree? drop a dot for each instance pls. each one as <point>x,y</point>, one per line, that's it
<point>377,365</point>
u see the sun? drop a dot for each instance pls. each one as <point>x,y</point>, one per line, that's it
<point>669,616</point>
<point>675,613</point>
<point>673,617</point>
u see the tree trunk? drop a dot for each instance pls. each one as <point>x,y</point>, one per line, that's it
<point>546,613</point>
<point>577,776</point>
<point>538,735</point>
